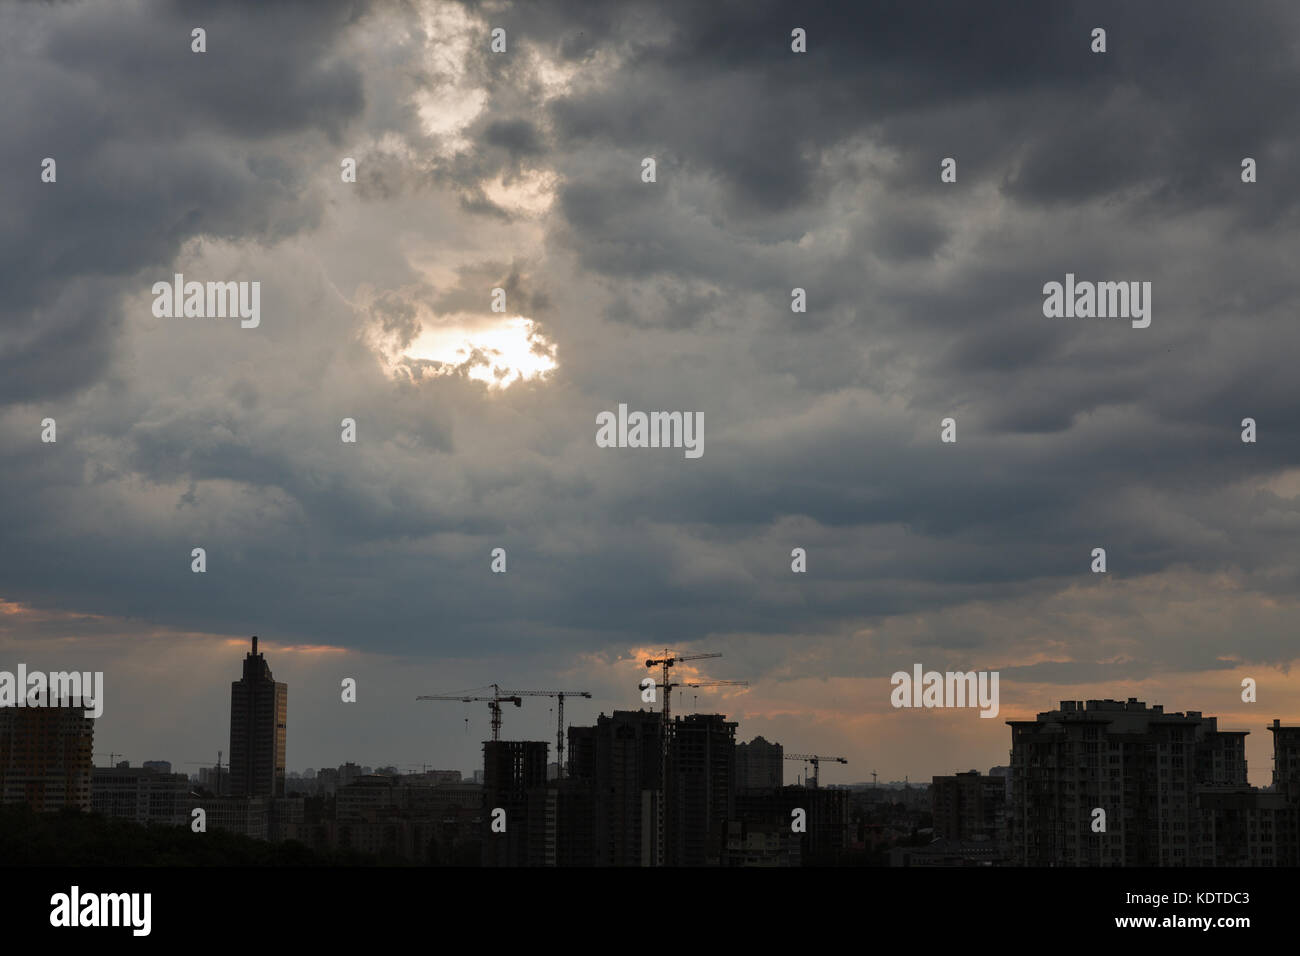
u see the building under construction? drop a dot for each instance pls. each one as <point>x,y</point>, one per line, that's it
<point>701,791</point>
<point>606,811</point>
<point>618,761</point>
<point>514,780</point>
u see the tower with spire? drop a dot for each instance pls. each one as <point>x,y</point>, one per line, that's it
<point>259,711</point>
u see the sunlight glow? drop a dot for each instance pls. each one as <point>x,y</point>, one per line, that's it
<point>499,355</point>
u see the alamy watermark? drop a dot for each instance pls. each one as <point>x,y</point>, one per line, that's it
<point>1101,300</point>
<point>948,689</point>
<point>653,430</point>
<point>38,689</point>
<point>74,909</point>
<point>216,300</point>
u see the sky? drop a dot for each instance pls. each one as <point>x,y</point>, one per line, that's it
<point>475,429</point>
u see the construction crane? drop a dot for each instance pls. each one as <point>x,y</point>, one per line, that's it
<point>494,702</point>
<point>559,695</point>
<point>669,660</point>
<point>111,757</point>
<point>666,662</point>
<point>815,760</point>
<point>668,688</point>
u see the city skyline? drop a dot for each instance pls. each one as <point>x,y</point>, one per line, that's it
<point>1103,782</point>
<point>256,668</point>
<point>443,737</point>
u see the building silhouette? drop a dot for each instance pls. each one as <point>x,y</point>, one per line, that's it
<point>701,791</point>
<point>1286,760</point>
<point>970,806</point>
<point>47,755</point>
<point>142,794</point>
<point>615,767</point>
<point>619,763</point>
<point>514,780</point>
<point>1143,768</point>
<point>259,708</point>
<point>759,765</point>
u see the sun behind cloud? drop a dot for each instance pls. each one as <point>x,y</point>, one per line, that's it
<point>500,354</point>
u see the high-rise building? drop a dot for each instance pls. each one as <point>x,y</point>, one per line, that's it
<point>46,755</point>
<point>759,765</point>
<point>259,708</point>
<point>1245,826</point>
<point>701,791</point>
<point>514,781</point>
<point>1142,768</point>
<point>1286,760</point>
<point>620,761</point>
<point>1286,782</point>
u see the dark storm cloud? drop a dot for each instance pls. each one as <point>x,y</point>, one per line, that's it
<point>1012,88</point>
<point>713,92</point>
<point>154,144</point>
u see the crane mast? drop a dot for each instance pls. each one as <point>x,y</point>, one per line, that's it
<point>664,663</point>
<point>494,704</point>
<point>559,696</point>
<point>499,697</point>
<point>815,760</point>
